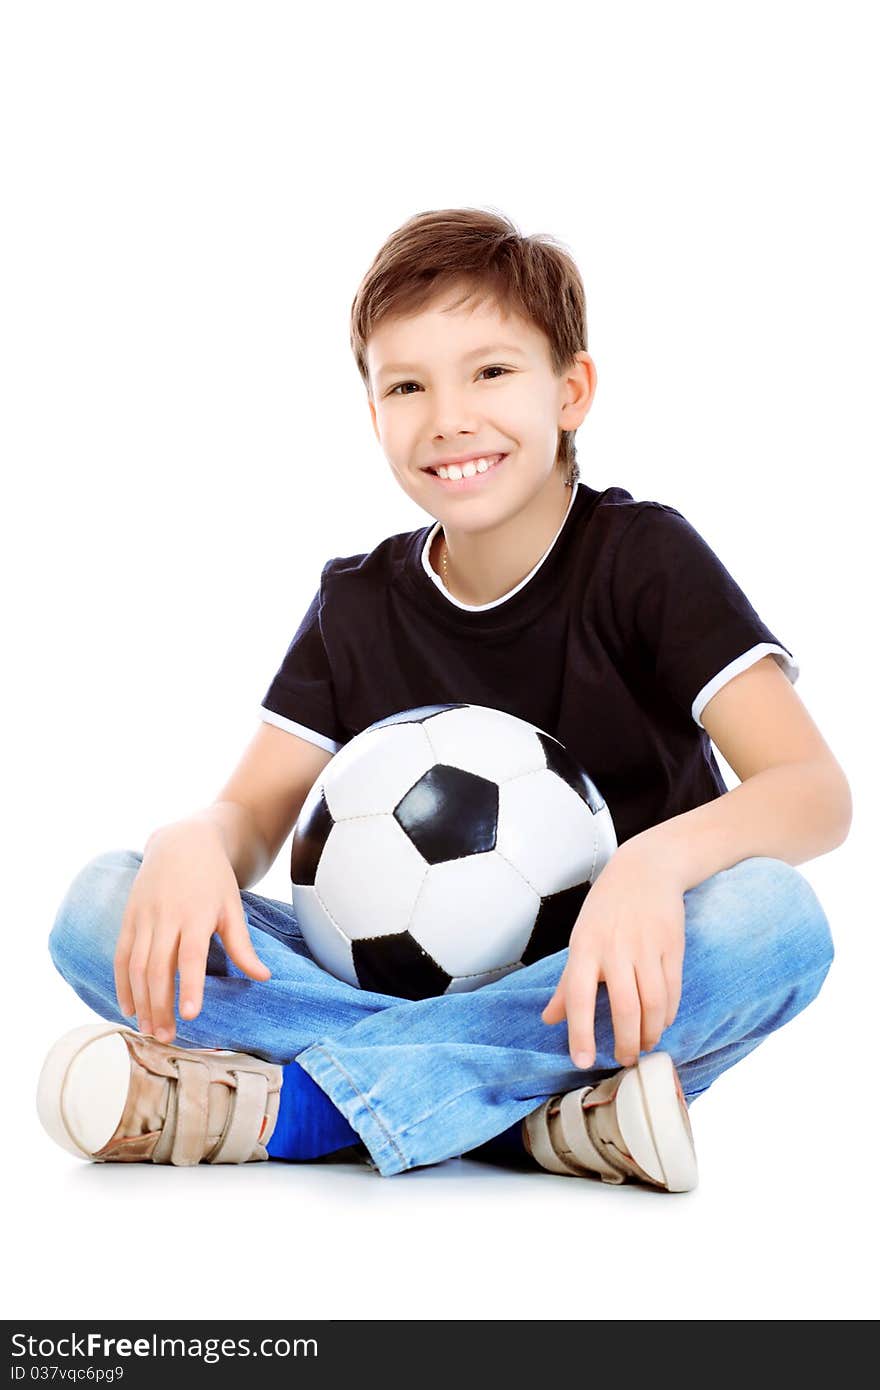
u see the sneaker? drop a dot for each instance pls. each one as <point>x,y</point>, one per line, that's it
<point>112,1095</point>
<point>631,1126</point>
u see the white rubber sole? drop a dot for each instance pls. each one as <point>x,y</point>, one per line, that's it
<point>650,1117</point>
<point>83,1086</point>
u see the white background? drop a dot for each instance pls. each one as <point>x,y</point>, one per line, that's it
<point>192,193</point>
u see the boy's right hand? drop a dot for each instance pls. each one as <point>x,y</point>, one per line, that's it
<point>184,891</point>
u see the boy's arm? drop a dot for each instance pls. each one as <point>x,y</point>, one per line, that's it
<point>794,801</point>
<point>258,806</point>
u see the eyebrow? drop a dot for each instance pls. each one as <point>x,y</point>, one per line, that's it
<point>475,352</point>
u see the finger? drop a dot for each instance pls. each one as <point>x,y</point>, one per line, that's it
<point>121,960</point>
<point>626,1010</point>
<point>581,1009</point>
<point>137,972</point>
<point>651,983</point>
<point>160,981</point>
<point>672,965</point>
<point>234,934</point>
<point>193,963</point>
<point>554,1010</point>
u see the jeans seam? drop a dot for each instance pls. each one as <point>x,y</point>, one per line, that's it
<point>356,1088</point>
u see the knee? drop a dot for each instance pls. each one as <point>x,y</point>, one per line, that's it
<point>774,906</point>
<point>88,920</point>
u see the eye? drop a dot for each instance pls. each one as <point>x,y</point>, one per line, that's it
<point>395,389</point>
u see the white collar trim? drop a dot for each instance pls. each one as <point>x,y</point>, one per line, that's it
<point>483,607</point>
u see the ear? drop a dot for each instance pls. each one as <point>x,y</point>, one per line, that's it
<point>579,387</point>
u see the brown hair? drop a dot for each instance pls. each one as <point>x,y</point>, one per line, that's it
<point>484,252</point>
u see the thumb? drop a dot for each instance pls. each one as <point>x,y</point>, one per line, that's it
<point>236,938</point>
<point>555,1010</point>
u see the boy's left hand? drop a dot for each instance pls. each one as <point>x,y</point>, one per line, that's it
<point>629,934</point>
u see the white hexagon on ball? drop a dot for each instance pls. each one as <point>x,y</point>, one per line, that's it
<point>328,944</point>
<point>370,775</point>
<point>369,876</point>
<point>549,833</point>
<point>484,741</point>
<point>473,913</point>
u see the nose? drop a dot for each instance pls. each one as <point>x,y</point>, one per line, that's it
<point>453,417</point>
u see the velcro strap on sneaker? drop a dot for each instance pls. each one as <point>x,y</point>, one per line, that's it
<point>191,1119</point>
<point>582,1150</point>
<point>247,1107</point>
<point>543,1152</point>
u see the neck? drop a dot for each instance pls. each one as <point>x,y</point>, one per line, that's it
<point>479,567</point>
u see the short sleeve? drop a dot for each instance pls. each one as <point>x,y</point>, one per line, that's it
<point>689,619</point>
<point>301,696</point>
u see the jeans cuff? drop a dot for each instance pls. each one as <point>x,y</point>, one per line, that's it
<point>345,1094</point>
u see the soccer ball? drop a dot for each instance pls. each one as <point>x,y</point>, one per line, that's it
<point>443,848</point>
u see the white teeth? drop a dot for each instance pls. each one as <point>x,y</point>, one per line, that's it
<point>467,470</point>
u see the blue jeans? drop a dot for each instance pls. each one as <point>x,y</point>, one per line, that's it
<point>426,1080</point>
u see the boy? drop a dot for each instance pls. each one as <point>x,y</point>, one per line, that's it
<point>605,621</point>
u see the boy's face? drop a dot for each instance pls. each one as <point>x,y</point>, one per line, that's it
<point>438,394</point>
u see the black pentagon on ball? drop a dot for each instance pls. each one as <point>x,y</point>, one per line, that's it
<point>554,921</point>
<point>560,761</point>
<point>397,965</point>
<point>312,830</point>
<point>449,814</point>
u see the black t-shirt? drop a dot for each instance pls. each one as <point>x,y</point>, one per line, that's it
<point>614,643</point>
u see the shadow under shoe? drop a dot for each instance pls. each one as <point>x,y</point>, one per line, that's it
<point>632,1126</point>
<point>112,1095</point>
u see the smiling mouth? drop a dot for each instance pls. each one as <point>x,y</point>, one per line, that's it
<point>454,475</point>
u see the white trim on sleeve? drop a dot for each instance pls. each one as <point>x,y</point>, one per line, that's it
<point>742,663</point>
<point>270,717</point>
